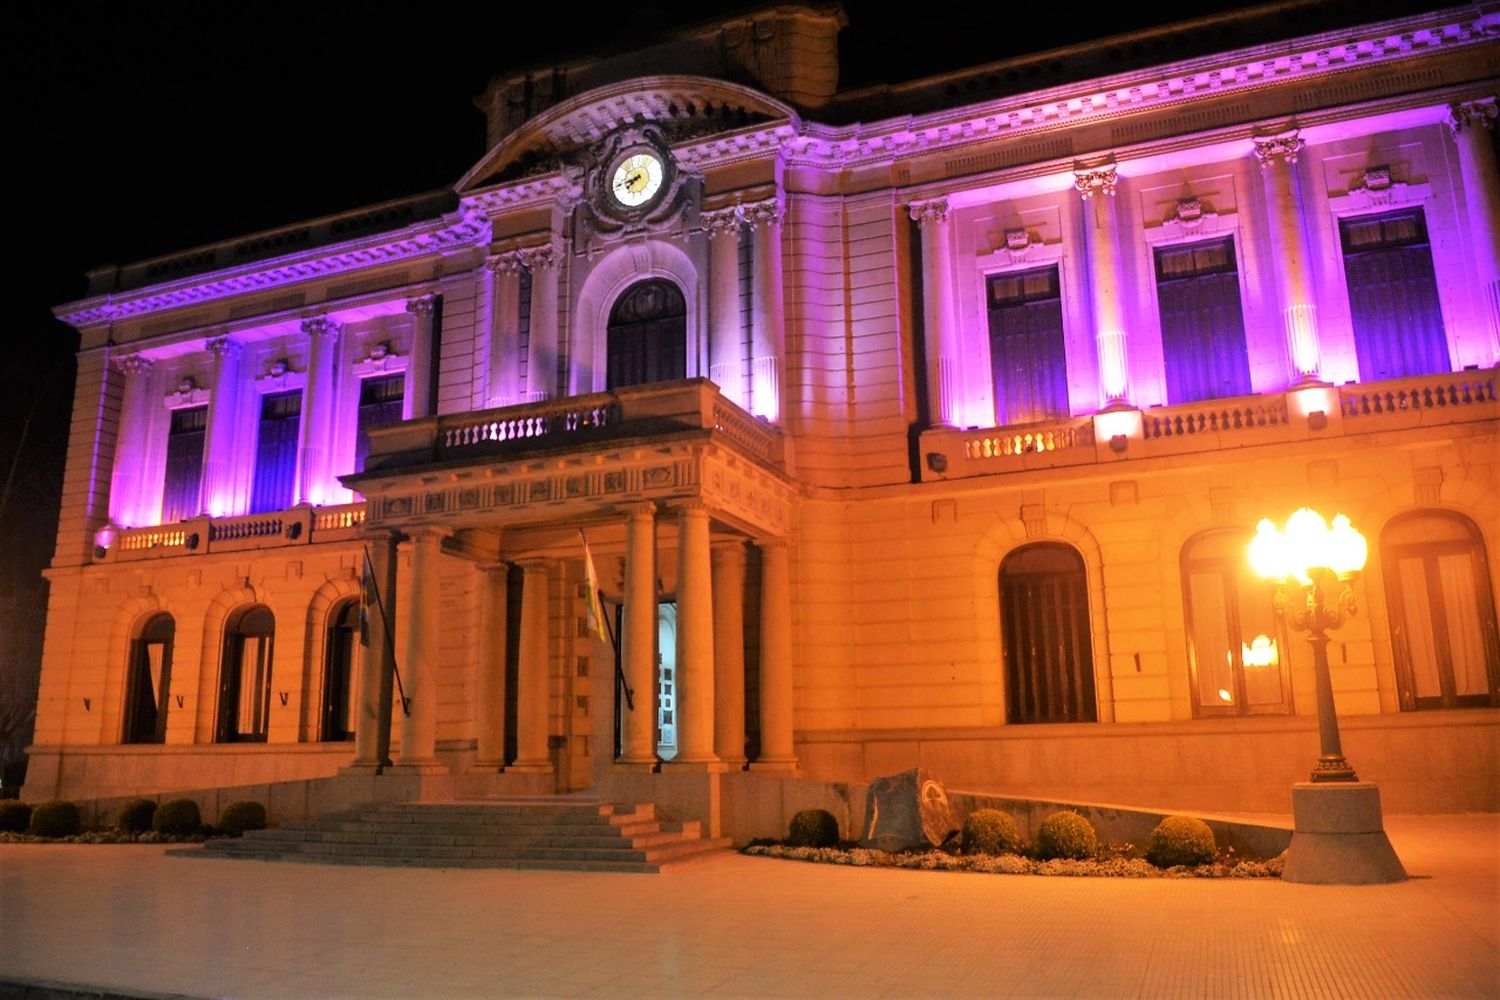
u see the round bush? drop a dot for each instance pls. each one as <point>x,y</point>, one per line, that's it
<point>1066,835</point>
<point>179,817</point>
<point>989,831</point>
<point>1181,840</point>
<point>238,817</point>
<point>813,828</point>
<point>135,815</point>
<point>15,816</point>
<point>55,819</point>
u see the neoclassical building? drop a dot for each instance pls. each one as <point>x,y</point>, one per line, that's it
<point>924,424</point>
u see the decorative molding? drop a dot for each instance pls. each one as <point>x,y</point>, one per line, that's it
<point>187,392</point>
<point>321,326</point>
<point>505,262</point>
<point>382,360</point>
<point>1281,147</point>
<point>1034,519</point>
<point>1193,217</point>
<point>420,306</point>
<point>934,210</point>
<point>1091,180</point>
<point>769,212</point>
<point>133,364</point>
<point>543,255</point>
<point>721,221</point>
<point>1471,116</point>
<point>280,376</point>
<point>223,347</point>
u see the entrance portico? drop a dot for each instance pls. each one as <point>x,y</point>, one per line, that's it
<point>674,487</point>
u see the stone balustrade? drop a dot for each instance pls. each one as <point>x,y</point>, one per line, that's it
<point>296,526</point>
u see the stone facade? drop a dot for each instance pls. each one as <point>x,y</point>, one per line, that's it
<point>924,459</point>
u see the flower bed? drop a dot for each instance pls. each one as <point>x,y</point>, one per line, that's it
<point>1116,864</point>
<point>109,835</point>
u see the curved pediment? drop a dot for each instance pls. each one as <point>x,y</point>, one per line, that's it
<point>681,106</point>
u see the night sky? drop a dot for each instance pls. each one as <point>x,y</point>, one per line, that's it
<point>137,129</point>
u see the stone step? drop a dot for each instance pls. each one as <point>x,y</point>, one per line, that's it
<point>621,852</point>
<point>485,829</point>
<point>646,837</point>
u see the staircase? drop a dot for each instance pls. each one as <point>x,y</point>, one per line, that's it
<point>550,833</point>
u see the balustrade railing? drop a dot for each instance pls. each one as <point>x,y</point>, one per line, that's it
<point>528,423</point>
<point>1432,392</point>
<point>1214,417</point>
<point>1012,442</point>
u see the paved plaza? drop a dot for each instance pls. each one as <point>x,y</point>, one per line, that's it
<point>129,920</point>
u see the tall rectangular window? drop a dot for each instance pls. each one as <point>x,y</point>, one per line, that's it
<point>1393,298</point>
<point>523,329</point>
<point>1027,357</point>
<point>184,464</point>
<point>276,452</point>
<point>1202,324</point>
<point>379,404</point>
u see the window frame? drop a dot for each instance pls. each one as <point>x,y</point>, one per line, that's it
<point>232,678</point>
<point>328,709</point>
<point>1084,707</point>
<point>990,277</point>
<point>1350,214</point>
<point>1200,241</point>
<point>137,672</point>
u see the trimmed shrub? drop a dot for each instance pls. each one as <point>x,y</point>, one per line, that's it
<point>55,819</point>
<point>238,817</point>
<point>813,828</point>
<point>177,817</point>
<point>135,815</point>
<point>1181,840</point>
<point>1066,835</point>
<point>989,831</point>
<point>15,816</point>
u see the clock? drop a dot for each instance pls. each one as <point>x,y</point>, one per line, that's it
<point>636,178</point>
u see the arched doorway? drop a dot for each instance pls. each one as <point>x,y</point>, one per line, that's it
<point>1044,630</point>
<point>647,335</point>
<point>149,680</point>
<point>339,691</point>
<point>245,680</point>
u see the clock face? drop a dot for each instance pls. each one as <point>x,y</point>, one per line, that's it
<point>636,179</point>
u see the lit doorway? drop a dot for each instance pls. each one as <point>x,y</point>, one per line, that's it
<point>665,692</point>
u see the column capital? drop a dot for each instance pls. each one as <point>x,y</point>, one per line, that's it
<point>428,533</point>
<point>543,255</point>
<point>762,213</point>
<point>222,346</point>
<point>1092,180</point>
<point>930,211</point>
<point>134,363</point>
<point>643,511</point>
<point>1472,116</point>
<point>721,221</point>
<point>779,544</point>
<point>1283,146</point>
<point>505,262</point>
<point>728,546</point>
<point>692,505</point>
<point>420,305</point>
<point>321,326</point>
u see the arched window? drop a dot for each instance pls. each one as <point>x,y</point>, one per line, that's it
<point>148,681</point>
<point>1044,628</point>
<point>647,335</point>
<point>245,681</point>
<point>1442,611</point>
<point>1237,649</point>
<point>340,656</point>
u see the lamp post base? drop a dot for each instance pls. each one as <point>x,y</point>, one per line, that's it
<point>1339,837</point>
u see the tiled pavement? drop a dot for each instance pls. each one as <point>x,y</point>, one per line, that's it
<point>131,920</point>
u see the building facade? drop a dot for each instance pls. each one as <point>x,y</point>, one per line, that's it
<point>923,424</point>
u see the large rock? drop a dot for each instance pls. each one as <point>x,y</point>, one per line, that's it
<point>907,811</point>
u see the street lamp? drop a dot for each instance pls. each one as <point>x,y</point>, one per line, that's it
<point>1338,835</point>
<point>1322,560</point>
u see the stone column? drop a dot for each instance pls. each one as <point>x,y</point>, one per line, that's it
<point>419,646</point>
<point>1101,227</point>
<point>533,679</point>
<point>419,377</point>
<point>937,310</point>
<point>505,330</point>
<point>767,315</point>
<point>724,349</point>
<point>314,484</point>
<point>541,352</point>
<point>219,493</point>
<point>638,641</point>
<point>695,638</point>
<point>1295,287</point>
<point>372,729</point>
<point>776,752</point>
<point>1471,123</point>
<point>729,651</point>
<point>489,682</point>
<point>126,486</point>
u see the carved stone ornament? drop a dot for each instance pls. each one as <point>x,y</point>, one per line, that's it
<point>769,212</point>
<point>505,262</point>
<point>926,212</point>
<point>535,257</point>
<point>420,306</point>
<point>380,350</point>
<point>1473,115</point>
<point>1018,244</point>
<point>721,221</point>
<point>133,364</point>
<point>222,346</point>
<point>320,326</point>
<point>1191,215</point>
<point>279,367</point>
<point>1283,146</point>
<point>186,385</point>
<point>1095,180</point>
<point>1377,179</point>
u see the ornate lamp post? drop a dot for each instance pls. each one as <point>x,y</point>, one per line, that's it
<point>1339,835</point>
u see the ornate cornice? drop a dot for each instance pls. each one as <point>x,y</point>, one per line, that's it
<point>769,212</point>
<point>933,210</point>
<point>1095,180</point>
<point>1283,146</point>
<point>320,326</point>
<point>470,228</point>
<point>1472,115</point>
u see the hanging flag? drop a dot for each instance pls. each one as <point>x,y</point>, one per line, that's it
<point>596,608</point>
